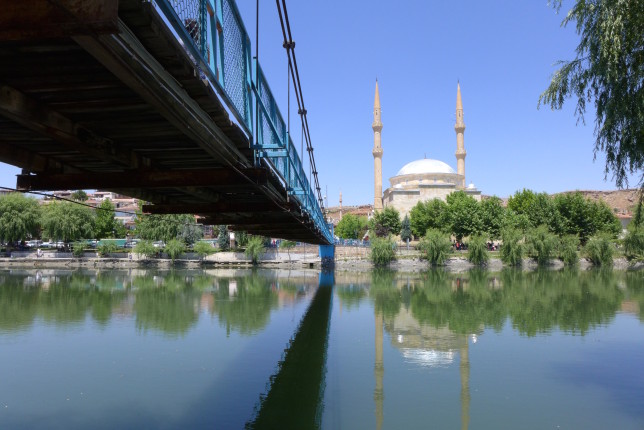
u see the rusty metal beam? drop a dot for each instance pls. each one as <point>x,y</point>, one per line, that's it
<point>37,19</point>
<point>142,179</point>
<point>257,209</point>
<point>38,117</point>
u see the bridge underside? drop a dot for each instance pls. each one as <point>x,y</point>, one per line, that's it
<point>94,96</point>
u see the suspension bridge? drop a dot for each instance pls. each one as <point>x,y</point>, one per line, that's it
<point>160,100</point>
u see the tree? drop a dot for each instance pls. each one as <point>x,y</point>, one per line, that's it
<point>162,227</point>
<point>492,216</point>
<point>203,249</point>
<point>521,201</point>
<point>106,223</point>
<point>405,229</point>
<point>189,231</point>
<point>255,248</point>
<point>79,196</point>
<point>174,248</point>
<point>431,214</point>
<point>386,222</point>
<point>382,251</point>
<point>67,221</point>
<point>351,227</point>
<point>608,71</point>
<point>463,215</point>
<point>583,217</point>
<point>19,217</point>
<point>287,244</point>
<point>223,239</point>
<point>145,248</point>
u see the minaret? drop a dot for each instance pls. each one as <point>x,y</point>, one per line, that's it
<point>377,152</point>
<point>459,127</point>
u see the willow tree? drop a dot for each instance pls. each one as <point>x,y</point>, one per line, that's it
<point>608,70</point>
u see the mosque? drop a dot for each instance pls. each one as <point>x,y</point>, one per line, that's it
<point>423,179</point>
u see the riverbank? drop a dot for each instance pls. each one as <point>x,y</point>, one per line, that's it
<point>276,260</point>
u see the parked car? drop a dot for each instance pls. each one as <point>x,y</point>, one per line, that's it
<point>159,244</point>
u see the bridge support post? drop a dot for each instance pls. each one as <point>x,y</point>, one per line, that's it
<point>327,255</point>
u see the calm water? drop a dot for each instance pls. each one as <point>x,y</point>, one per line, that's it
<point>296,349</point>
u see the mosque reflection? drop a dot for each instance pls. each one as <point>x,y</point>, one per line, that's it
<point>432,318</point>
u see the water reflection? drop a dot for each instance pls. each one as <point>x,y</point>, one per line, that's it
<point>432,318</point>
<point>296,389</point>
<point>166,302</point>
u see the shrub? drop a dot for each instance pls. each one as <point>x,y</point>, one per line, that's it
<point>145,248</point>
<point>477,250</point>
<point>255,248</point>
<point>567,250</point>
<point>541,245</point>
<point>599,250</point>
<point>223,239</point>
<point>78,248</point>
<point>634,243</point>
<point>107,247</point>
<point>435,247</point>
<point>512,248</point>
<point>287,244</point>
<point>382,251</point>
<point>174,248</point>
<point>203,249</point>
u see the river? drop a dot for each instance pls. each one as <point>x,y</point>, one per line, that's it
<point>230,349</point>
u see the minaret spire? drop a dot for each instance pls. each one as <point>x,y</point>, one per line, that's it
<point>459,127</point>
<point>377,151</point>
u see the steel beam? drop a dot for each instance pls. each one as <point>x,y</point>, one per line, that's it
<point>142,179</point>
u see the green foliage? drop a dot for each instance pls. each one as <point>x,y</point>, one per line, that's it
<point>431,214</point>
<point>145,248</point>
<point>351,227</point>
<point>521,201</point>
<point>463,215</point>
<point>435,246</point>
<point>255,248</point>
<point>634,242</point>
<point>607,71</point>
<point>600,250</point>
<point>541,244</point>
<point>106,224</point>
<point>382,251</point>
<point>203,249</point>
<point>19,217</point>
<point>567,250</point>
<point>288,245</point>
<point>190,232</point>
<point>223,238</point>
<point>385,222</point>
<point>67,221</point>
<point>78,248</point>
<point>532,209</point>
<point>512,248</point>
<point>241,238</point>
<point>175,248</point>
<point>492,216</point>
<point>515,221</point>
<point>405,229</point>
<point>166,227</point>
<point>79,196</point>
<point>477,250</point>
<point>107,247</point>
<point>584,218</point>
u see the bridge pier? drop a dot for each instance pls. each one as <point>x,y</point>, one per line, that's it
<point>327,255</point>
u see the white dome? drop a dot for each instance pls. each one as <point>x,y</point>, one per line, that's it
<point>425,165</point>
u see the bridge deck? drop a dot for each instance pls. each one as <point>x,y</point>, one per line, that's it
<point>116,103</point>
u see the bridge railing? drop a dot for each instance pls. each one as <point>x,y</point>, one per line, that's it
<point>216,39</point>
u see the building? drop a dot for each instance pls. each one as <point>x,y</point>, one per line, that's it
<point>423,179</point>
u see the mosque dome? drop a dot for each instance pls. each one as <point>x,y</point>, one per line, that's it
<point>424,166</point>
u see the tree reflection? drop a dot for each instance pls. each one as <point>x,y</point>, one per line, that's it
<point>244,304</point>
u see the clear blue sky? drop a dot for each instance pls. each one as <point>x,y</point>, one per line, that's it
<point>502,51</point>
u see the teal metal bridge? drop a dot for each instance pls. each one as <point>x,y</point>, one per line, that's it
<point>161,100</point>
